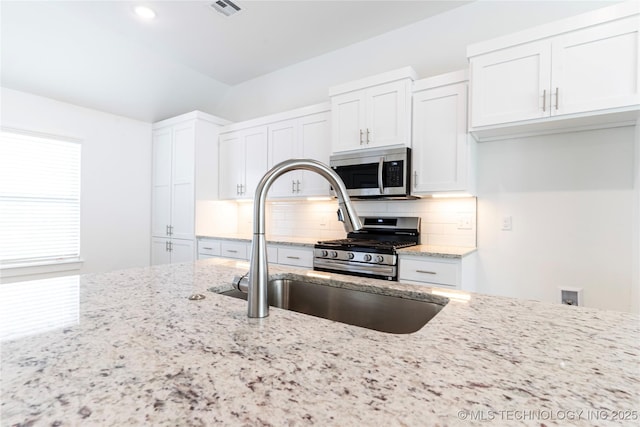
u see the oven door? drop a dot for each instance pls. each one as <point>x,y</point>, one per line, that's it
<point>376,173</point>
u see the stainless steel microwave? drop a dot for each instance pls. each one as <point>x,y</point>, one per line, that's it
<point>375,173</point>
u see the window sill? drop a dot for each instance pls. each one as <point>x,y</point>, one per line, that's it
<point>25,269</point>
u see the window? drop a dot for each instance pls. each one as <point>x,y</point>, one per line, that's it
<point>39,199</point>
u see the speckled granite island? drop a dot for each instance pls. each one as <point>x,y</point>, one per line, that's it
<point>136,351</point>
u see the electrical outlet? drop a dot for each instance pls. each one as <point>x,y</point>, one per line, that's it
<point>507,223</point>
<point>571,296</point>
<point>464,222</point>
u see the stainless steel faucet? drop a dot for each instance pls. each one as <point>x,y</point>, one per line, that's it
<point>258,271</point>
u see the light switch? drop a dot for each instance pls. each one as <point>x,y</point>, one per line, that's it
<point>506,223</point>
<point>464,222</point>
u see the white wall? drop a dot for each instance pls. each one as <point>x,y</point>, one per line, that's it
<point>116,175</point>
<point>317,219</point>
<point>433,46</point>
<point>571,199</point>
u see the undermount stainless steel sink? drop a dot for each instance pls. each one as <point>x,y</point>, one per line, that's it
<point>368,310</point>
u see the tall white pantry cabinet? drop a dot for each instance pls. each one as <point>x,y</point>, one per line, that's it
<point>185,160</point>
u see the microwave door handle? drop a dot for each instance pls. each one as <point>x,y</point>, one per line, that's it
<point>380,182</point>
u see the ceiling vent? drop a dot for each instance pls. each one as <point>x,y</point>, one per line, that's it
<point>226,7</point>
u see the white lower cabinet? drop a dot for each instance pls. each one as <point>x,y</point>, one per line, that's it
<point>237,250</point>
<point>167,251</point>
<point>219,248</point>
<point>298,257</point>
<point>454,273</point>
<point>234,249</point>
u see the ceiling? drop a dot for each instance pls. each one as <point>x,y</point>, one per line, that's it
<point>100,55</point>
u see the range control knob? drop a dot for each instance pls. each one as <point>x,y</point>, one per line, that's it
<point>367,257</point>
<point>350,255</point>
<point>379,258</point>
<point>334,254</point>
<point>324,253</point>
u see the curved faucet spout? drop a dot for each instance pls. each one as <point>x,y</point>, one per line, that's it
<point>258,271</point>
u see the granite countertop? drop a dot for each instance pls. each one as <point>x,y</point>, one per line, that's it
<point>275,240</point>
<point>418,250</point>
<point>134,350</point>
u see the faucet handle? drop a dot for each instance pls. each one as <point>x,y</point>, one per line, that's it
<point>241,283</point>
<point>340,215</point>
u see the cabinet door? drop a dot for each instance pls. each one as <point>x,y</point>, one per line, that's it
<point>160,251</point>
<point>440,145</point>
<point>161,183</point>
<point>182,250</point>
<point>596,68</point>
<point>430,271</point>
<point>255,142</point>
<point>182,182</point>
<point>510,85</point>
<point>231,165</point>
<point>348,118</point>
<point>315,142</point>
<point>283,145</point>
<point>387,115</point>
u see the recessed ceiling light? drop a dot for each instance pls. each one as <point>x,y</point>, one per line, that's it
<point>145,13</point>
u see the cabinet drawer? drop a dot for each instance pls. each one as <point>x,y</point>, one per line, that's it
<point>429,271</point>
<point>296,257</point>
<point>208,247</point>
<point>233,250</point>
<point>272,254</point>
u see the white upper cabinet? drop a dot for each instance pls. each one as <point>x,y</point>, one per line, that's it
<point>249,149</point>
<point>173,182</point>
<point>184,155</point>
<point>441,157</point>
<point>305,137</point>
<point>283,145</point>
<point>596,68</point>
<point>374,112</point>
<point>314,133</point>
<point>243,161</point>
<point>583,71</point>
<point>509,85</point>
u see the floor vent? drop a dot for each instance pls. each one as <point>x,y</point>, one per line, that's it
<point>226,7</point>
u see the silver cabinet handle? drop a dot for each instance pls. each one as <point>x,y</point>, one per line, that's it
<point>544,100</point>
<point>166,230</point>
<point>293,186</point>
<point>237,189</point>
<point>557,93</point>
<point>293,257</point>
<point>361,142</point>
<point>166,246</point>
<point>415,179</point>
<point>171,230</point>
<point>209,249</point>
<point>233,251</point>
<point>368,135</point>
<point>426,272</point>
<point>297,186</point>
<point>242,190</point>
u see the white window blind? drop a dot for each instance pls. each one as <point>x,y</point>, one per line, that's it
<point>39,199</point>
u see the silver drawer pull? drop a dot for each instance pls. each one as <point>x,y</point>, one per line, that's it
<point>293,257</point>
<point>426,272</point>
<point>232,251</point>
<point>209,249</point>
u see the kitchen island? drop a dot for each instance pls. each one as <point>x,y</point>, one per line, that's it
<point>138,351</point>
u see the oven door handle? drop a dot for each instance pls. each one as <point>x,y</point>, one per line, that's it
<point>380,182</point>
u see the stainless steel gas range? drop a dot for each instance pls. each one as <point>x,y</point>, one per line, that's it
<point>371,251</point>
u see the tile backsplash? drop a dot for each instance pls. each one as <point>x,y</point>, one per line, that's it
<point>445,221</point>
